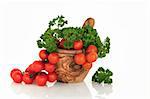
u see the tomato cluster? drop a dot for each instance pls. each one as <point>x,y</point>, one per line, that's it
<point>86,59</point>
<point>39,71</point>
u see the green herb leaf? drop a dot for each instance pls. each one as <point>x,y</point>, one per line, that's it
<point>87,34</point>
<point>108,81</point>
<point>58,21</point>
<point>102,75</point>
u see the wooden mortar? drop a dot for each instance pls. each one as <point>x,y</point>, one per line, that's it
<point>66,69</point>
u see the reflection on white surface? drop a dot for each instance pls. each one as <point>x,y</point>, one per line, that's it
<point>63,91</point>
<point>59,90</point>
<point>102,90</point>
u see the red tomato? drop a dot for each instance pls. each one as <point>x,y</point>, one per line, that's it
<point>91,48</point>
<point>78,45</point>
<point>79,59</point>
<point>52,77</point>
<point>17,77</point>
<point>15,70</point>
<point>61,44</point>
<point>43,54</point>
<point>49,67</point>
<point>53,58</point>
<point>87,66</point>
<point>91,57</point>
<point>37,66</point>
<point>41,79</point>
<point>28,69</point>
<point>28,78</point>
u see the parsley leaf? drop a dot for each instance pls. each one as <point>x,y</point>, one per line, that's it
<point>102,75</point>
<point>87,34</point>
<point>58,21</point>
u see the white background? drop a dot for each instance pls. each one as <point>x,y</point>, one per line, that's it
<point>126,22</point>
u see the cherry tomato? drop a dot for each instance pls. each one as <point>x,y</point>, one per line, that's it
<point>91,48</point>
<point>91,57</point>
<point>37,66</point>
<point>78,45</point>
<point>61,44</point>
<point>28,78</point>
<point>43,54</point>
<point>28,69</point>
<point>52,77</point>
<point>49,67</point>
<point>41,79</point>
<point>87,66</point>
<point>17,77</point>
<point>53,58</point>
<point>79,59</point>
<point>15,70</point>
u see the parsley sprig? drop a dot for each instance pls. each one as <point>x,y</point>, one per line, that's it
<point>87,34</point>
<point>48,41</point>
<point>102,75</point>
<point>58,21</point>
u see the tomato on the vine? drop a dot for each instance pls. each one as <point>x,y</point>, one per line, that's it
<point>37,66</point>
<point>87,66</point>
<point>43,54</point>
<point>53,58</point>
<point>91,48</point>
<point>78,45</point>
<point>28,78</point>
<point>91,57</point>
<point>41,79</point>
<point>15,70</point>
<point>49,67</point>
<point>17,77</point>
<point>52,77</point>
<point>79,59</point>
<point>28,69</point>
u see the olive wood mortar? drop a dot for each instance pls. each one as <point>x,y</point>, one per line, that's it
<point>67,70</point>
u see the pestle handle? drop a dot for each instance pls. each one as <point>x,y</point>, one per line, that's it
<point>89,21</point>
